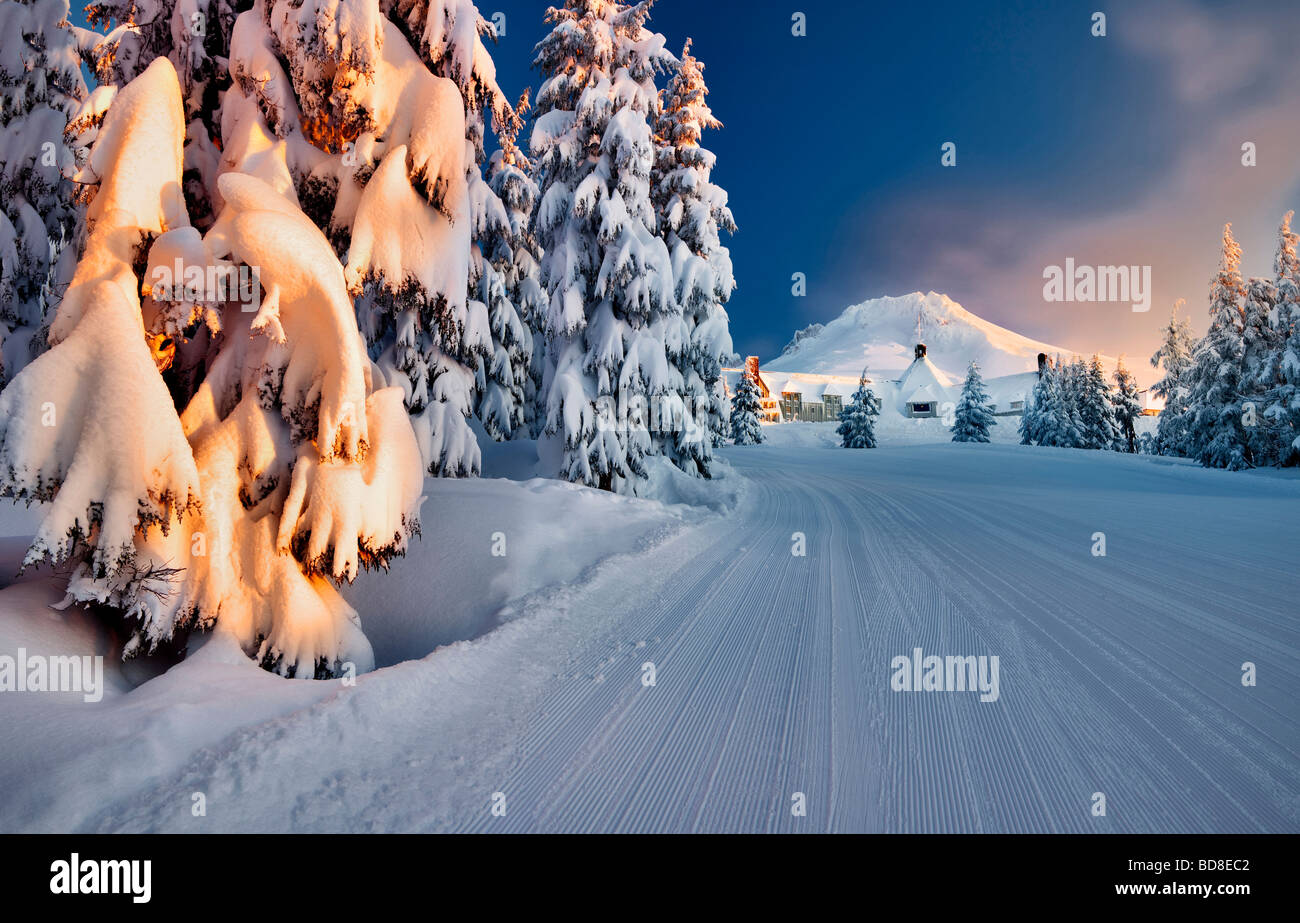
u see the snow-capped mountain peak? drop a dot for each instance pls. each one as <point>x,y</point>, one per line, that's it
<point>881,334</point>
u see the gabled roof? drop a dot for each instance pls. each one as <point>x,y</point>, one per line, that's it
<point>926,394</point>
<point>924,383</point>
<point>923,371</point>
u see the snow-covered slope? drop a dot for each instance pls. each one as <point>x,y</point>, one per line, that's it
<point>773,671</point>
<point>881,334</point>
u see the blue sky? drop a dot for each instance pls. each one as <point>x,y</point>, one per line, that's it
<point>1124,149</point>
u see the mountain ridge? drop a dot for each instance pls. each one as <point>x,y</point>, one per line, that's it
<point>953,337</point>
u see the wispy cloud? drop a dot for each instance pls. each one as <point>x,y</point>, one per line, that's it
<point>1223,72</point>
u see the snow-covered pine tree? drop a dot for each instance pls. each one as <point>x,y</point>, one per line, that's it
<point>509,175</point>
<point>857,427</point>
<point>1260,343</point>
<point>195,36</point>
<point>1216,435</point>
<point>746,408</point>
<point>41,87</point>
<point>500,399</point>
<point>974,411</point>
<point>294,461</point>
<point>1038,408</point>
<point>449,36</point>
<point>692,210</point>
<point>720,424</point>
<point>1067,428</point>
<point>1277,377</point>
<point>611,318</point>
<point>374,146</point>
<point>1095,408</point>
<point>1174,357</point>
<point>1128,408</point>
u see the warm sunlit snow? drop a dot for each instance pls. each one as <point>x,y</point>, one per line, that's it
<point>881,332</point>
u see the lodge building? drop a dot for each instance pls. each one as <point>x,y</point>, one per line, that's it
<point>922,391</point>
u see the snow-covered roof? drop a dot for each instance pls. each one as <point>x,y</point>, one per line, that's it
<point>923,371</point>
<point>924,383</point>
<point>1005,389</point>
<point>926,394</point>
<point>836,388</point>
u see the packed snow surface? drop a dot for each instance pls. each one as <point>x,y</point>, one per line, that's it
<point>1118,674</point>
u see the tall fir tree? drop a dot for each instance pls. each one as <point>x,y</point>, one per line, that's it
<point>974,411</point>
<point>611,319</point>
<point>486,378</point>
<point>1278,378</point>
<point>503,383</point>
<point>857,429</point>
<point>746,410</point>
<point>1174,358</point>
<point>1216,434</point>
<point>1095,408</point>
<point>41,88</point>
<point>1128,409</point>
<point>692,211</point>
<point>509,175</point>
<point>1260,343</point>
<point>1071,429</point>
<point>1037,408</point>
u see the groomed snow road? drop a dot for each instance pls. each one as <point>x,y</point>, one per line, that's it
<point>1119,674</point>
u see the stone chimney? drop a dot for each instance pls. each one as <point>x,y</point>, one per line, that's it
<point>920,350</point>
<point>1042,363</point>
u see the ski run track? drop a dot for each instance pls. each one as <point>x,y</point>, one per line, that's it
<point>1119,674</point>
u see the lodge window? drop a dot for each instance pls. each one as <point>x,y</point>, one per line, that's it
<point>920,408</point>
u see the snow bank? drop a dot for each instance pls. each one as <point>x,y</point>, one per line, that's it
<point>149,727</point>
